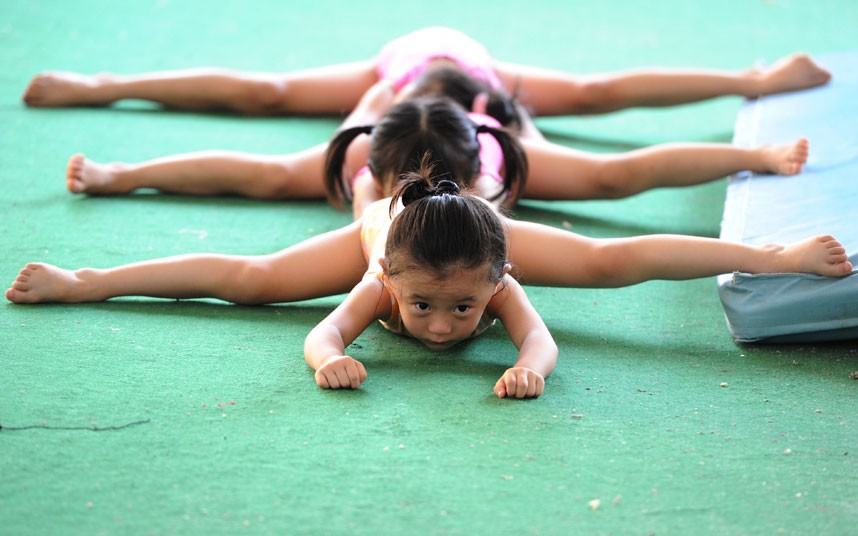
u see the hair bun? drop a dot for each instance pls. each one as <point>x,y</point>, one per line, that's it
<point>445,186</point>
<point>413,187</point>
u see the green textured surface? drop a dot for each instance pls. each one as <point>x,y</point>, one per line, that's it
<point>633,415</point>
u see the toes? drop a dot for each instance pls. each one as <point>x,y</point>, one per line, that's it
<point>31,94</point>
<point>22,286</point>
<point>75,166</point>
<point>75,186</point>
<point>842,268</point>
<point>16,295</point>
<point>827,238</point>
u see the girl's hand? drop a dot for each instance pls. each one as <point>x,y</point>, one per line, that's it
<point>340,372</point>
<point>520,382</point>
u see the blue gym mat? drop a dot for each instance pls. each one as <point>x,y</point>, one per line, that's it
<point>762,209</point>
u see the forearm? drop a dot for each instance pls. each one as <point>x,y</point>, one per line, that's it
<point>538,352</point>
<point>324,341</point>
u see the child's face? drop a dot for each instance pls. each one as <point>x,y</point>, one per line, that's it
<point>440,312</point>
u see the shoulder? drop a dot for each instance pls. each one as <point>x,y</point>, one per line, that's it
<point>373,288</point>
<point>510,291</point>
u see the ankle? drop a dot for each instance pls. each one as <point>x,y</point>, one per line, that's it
<point>86,286</point>
<point>105,85</point>
<point>759,160</point>
<point>775,259</point>
<point>753,83</point>
<point>123,178</point>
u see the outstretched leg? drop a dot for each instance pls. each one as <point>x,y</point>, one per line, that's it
<point>327,90</point>
<point>546,256</point>
<point>549,92</point>
<point>558,172</point>
<point>294,176</point>
<point>331,263</point>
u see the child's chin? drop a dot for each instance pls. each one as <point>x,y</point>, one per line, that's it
<point>439,347</point>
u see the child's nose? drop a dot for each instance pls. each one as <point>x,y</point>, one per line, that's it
<point>440,326</point>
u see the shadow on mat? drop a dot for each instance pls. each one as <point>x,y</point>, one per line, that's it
<point>835,359</point>
<point>565,137</point>
<point>557,216</point>
<point>300,314</point>
<point>146,195</point>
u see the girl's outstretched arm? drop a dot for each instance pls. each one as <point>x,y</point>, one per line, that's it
<point>324,348</point>
<point>537,351</point>
<point>551,257</point>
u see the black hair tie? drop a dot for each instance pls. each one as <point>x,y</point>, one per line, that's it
<point>446,187</point>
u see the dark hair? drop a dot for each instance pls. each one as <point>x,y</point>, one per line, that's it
<point>415,127</point>
<point>440,79</point>
<point>442,228</point>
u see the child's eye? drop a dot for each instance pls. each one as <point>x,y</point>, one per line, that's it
<point>421,306</point>
<point>463,308</point>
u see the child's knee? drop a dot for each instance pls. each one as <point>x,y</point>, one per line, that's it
<point>593,96</point>
<point>248,284</point>
<point>275,181</point>
<point>612,180</point>
<point>263,97</point>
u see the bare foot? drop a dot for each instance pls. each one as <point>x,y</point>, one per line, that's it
<point>822,255</point>
<point>791,73</point>
<point>53,89</point>
<point>39,283</point>
<point>786,159</point>
<point>83,176</point>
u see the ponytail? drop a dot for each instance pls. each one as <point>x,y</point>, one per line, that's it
<point>504,108</point>
<point>441,228</point>
<point>337,188</point>
<point>515,163</point>
<point>416,185</point>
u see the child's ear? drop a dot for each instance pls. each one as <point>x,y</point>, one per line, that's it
<point>383,263</point>
<point>507,268</point>
<point>480,104</point>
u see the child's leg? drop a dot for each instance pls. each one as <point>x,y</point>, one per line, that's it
<point>328,90</point>
<point>546,256</point>
<point>295,176</point>
<point>330,263</point>
<point>205,173</point>
<point>549,92</point>
<point>558,172</point>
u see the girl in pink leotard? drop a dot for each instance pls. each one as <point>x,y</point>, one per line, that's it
<point>433,61</point>
<point>471,146</point>
<point>406,58</point>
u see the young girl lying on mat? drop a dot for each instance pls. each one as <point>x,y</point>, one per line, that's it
<point>431,263</point>
<point>364,159</point>
<point>433,61</point>
<point>337,89</point>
